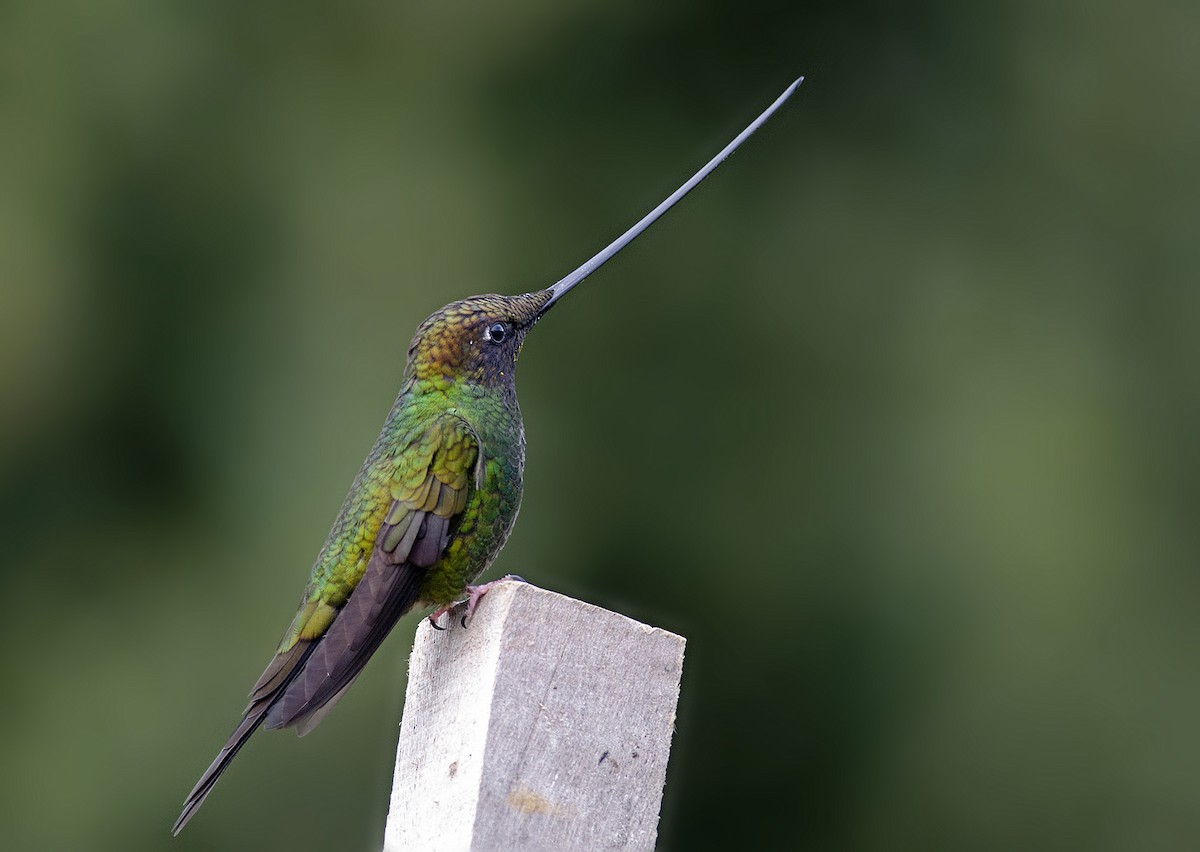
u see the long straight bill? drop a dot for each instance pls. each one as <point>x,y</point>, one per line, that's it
<point>606,254</point>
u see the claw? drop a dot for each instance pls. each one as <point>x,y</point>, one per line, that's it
<point>434,616</point>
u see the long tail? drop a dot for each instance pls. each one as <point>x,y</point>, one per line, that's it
<point>303,683</point>
<point>274,681</point>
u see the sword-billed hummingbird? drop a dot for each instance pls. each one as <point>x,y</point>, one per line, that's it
<point>431,506</point>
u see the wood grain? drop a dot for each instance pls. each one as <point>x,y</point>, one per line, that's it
<point>545,725</point>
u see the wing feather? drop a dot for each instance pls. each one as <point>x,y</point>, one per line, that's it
<point>414,536</point>
<point>333,635</point>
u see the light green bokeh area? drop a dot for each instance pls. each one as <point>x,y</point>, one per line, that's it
<point>895,418</point>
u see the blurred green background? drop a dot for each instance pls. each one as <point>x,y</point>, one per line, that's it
<point>895,418</point>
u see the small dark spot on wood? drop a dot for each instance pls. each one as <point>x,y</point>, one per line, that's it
<point>635,754</point>
<point>602,758</point>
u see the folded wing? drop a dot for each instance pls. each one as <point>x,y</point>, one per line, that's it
<point>429,481</point>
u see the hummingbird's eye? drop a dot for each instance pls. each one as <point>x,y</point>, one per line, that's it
<point>497,332</point>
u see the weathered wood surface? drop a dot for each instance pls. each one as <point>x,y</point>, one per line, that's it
<point>546,725</point>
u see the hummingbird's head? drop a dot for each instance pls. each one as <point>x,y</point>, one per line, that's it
<point>475,340</point>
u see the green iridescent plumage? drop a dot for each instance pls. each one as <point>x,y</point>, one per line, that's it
<point>426,515</point>
<point>431,506</point>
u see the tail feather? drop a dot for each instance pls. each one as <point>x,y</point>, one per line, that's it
<point>301,685</point>
<point>385,593</point>
<point>282,671</point>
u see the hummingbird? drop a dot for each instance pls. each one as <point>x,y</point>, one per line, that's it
<point>432,504</point>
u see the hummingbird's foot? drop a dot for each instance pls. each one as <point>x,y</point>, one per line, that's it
<point>476,593</point>
<point>434,616</point>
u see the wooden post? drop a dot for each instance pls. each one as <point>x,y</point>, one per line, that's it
<point>545,725</point>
